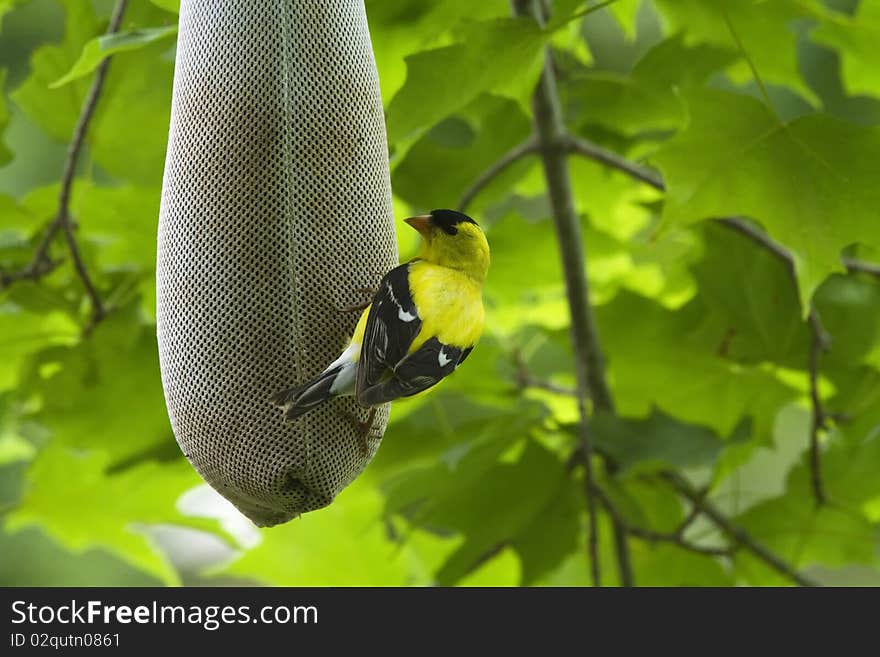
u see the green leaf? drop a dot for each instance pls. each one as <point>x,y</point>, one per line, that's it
<point>855,38</point>
<point>751,473</point>
<point>804,534</point>
<point>650,97</point>
<point>48,63</point>
<point>837,533</point>
<point>22,332</point>
<point>33,559</point>
<point>560,519</point>
<point>118,505</point>
<point>849,457</point>
<point>751,293</point>
<point>515,294</point>
<point>452,425</point>
<point>493,56</point>
<point>168,5</point>
<point>89,402</point>
<point>626,12</point>
<point>502,569</point>
<point>345,544</point>
<point>6,6</point>
<point>14,446</point>
<point>402,27</point>
<point>808,182</point>
<point>99,48</point>
<point>850,311</point>
<point>657,442</point>
<point>667,565</point>
<point>766,30</point>
<point>120,221</point>
<point>5,154</point>
<point>15,223</point>
<point>137,92</point>
<point>462,146</point>
<point>670,359</point>
<point>521,491</point>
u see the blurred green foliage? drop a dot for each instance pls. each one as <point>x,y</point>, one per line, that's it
<point>766,109</point>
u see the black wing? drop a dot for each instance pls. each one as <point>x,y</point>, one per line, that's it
<point>385,370</point>
<point>418,371</point>
<point>392,325</point>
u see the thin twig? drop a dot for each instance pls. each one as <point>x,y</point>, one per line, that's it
<point>759,237</point>
<point>701,505</point>
<point>675,537</point>
<point>855,266</point>
<point>508,159</point>
<point>820,342</point>
<point>524,379</point>
<point>588,149</point>
<point>41,263</point>
<point>621,550</point>
<point>33,271</point>
<point>737,534</point>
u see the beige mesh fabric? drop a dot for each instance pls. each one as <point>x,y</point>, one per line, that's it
<point>276,207</point>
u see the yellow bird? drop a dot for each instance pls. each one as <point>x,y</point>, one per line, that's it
<point>422,323</point>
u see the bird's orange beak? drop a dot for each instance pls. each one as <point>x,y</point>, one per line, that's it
<point>421,224</point>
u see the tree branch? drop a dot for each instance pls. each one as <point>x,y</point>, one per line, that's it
<point>758,236</point>
<point>41,263</point>
<point>584,337</point>
<point>675,537</point>
<point>737,534</point>
<point>513,155</point>
<point>550,135</point>
<point>39,266</point>
<point>524,379</point>
<point>820,342</point>
<point>588,149</point>
<point>621,551</point>
<point>855,266</point>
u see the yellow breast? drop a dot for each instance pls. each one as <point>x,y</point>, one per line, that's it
<point>449,303</point>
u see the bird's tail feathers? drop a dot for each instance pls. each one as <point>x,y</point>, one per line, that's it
<point>300,399</point>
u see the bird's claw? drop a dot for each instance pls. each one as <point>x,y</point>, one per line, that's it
<point>357,307</point>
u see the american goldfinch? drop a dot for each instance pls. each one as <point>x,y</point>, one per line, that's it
<point>422,323</point>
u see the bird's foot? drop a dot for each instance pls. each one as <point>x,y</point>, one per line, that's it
<point>361,305</point>
<point>364,429</point>
<point>354,307</point>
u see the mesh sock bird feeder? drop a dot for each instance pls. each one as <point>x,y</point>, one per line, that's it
<point>276,210</point>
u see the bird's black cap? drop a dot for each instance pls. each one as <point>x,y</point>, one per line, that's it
<point>447,220</point>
